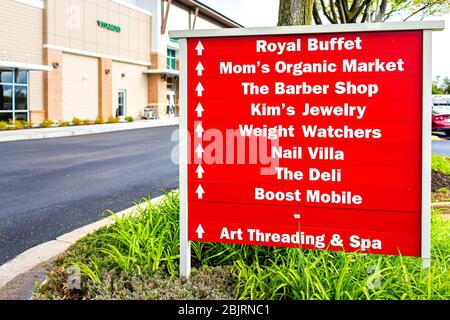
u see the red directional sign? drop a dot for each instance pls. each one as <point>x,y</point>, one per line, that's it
<point>306,140</point>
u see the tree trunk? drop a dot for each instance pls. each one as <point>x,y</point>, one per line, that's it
<point>381,11</point>
<point>295,12</point>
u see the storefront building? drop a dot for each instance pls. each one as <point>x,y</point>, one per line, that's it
<point>65,59</point>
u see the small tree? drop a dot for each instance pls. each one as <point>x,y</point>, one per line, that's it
<point>445,87</point>
<point>435,88</point>
<point>441,87</point>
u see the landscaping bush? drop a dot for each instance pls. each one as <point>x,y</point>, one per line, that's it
<point>46,124</point>
<point>137,258</point>
<point>440,164</point>
<point>64,124</point>
<point>129,119</point>
<point>28,124</point>
<point>87,122</point>
<point>77,122</point>
<point>3,125</point>
<point>99,120</point>
<point>113,120</point>
<point>18,125</point>
<point>441,195</point>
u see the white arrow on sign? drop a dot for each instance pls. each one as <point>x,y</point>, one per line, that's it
<point>199,48</point>
<point>199,130</point>
<point>199,69</point>
<point>199,110</point>
<point>199,151</point>
<point>200,171</point>
<point>199,90</point>
<point>200,231</point>
<point>200,192</point>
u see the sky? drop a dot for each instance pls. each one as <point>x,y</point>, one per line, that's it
<point>264,13</point>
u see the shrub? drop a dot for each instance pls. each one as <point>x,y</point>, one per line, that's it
<point>3,125</point>
<point>77,122</point>
<point>87,122</point>
<point>19,124</point>
<point>99,120</point>
<point>16,125</point>
<point>113,120</point>
<point>440,164</point>
<point>129,119</point>
<point>64,124</point>
<point>28,124</point>
<point>46,123</point>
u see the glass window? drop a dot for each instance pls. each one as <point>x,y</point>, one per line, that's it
<point>6,116</point>
<point>21,98</point>
<point>13,95</point>
<point>22,77</point>
<point>22,116</point>
<point>171,59</point>
<point>171,84</point>
<point>6,76</point>
<point>6,99</point>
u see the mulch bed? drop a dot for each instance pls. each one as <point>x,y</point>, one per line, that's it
<point>439,180</point>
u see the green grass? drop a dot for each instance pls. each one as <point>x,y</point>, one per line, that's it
<point>440,164</point>
<point>137,258</point>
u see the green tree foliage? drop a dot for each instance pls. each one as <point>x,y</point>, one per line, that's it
<point>435,89</point>
<point>441,87</point>
<point>299,12</point>
<point>445,87</point>
<point>353,11</point>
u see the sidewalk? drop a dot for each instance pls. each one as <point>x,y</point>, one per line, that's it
<point>46,133</point>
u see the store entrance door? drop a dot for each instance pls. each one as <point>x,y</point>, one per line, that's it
<point>122,103</point>
<point>170,103</point>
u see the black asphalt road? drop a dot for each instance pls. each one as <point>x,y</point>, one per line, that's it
<point>53,186</point>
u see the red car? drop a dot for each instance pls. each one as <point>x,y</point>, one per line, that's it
<point>441,119</point>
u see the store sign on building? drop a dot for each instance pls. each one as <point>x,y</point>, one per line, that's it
<point>108,26</point>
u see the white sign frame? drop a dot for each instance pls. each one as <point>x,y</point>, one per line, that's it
<point>426,26</point>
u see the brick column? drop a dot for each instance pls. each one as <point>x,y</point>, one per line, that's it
<point>177,91</point>
<point>158,93</point>
<point>53,85</point>
<point>105,102</point>
<point>157,86</point>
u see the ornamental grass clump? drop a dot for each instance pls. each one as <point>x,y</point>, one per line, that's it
<point>138,258</point>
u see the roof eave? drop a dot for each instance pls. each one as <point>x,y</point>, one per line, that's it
<point>211,13</point>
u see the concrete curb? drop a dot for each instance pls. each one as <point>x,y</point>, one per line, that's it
<point>46,251</point>
<point>48,133</point>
